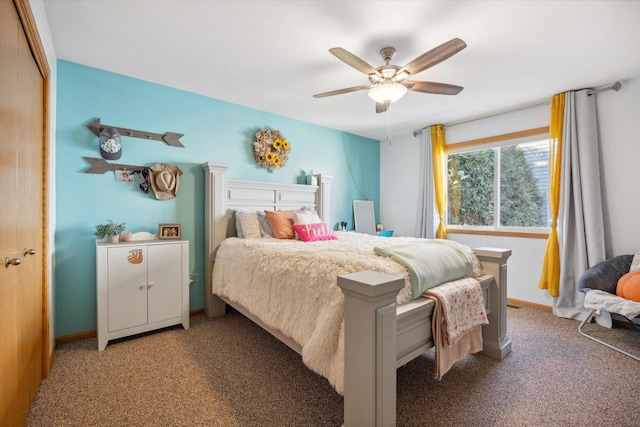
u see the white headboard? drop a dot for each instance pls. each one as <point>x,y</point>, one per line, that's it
<point>222,196</point>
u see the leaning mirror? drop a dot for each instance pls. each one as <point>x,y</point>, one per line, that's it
<point>364,217</point>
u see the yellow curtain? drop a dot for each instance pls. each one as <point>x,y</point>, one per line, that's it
<point>550,278</point>
<point>439,176</point>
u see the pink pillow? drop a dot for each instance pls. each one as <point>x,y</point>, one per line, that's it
<point>314,232</point>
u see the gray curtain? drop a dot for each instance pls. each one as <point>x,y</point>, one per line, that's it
<point>426,224</point>
<point>580,219</point>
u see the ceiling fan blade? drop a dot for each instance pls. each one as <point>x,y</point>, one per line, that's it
<point>341,91</point>
<point>381,107</point>
<point>434,56</point>
<point>436,88</point>
<point>353,61</point>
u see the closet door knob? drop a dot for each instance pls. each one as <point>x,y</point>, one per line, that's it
<point>29,251</point>
<point>142,286</point>
<point>8,261</point>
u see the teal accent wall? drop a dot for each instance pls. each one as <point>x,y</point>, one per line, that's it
<point>213,131</point>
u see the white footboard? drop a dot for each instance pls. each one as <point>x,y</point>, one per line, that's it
<point>372,324</point>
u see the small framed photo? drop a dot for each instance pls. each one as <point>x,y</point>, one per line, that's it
<point>169,231</point>
<point>124,176</point>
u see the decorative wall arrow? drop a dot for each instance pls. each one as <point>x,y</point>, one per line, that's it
<point>99,165</point>
<point>170,138</point>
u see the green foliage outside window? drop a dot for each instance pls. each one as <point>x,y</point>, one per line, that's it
<point>470,194</point>
<point>471,189</point>
<point>521,204</point>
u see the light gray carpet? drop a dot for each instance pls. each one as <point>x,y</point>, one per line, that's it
<point>229,372</point>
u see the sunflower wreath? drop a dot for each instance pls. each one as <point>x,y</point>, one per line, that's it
<point>271,149</point>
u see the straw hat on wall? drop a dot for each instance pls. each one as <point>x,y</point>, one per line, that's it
<point>165,179</point>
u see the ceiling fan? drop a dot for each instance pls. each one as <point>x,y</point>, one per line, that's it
<point>389,82</point>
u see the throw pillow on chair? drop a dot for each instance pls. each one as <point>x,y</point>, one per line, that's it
<point>629,286</point>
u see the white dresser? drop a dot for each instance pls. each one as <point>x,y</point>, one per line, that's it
<point>141,286</point>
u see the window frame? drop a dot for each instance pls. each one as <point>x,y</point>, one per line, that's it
<point>493,142</point>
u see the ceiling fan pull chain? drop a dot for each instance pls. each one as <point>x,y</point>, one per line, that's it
<point>388,136</point>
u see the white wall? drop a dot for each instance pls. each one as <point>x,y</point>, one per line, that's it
<point>399,169</point>
<point>620,147</point>
<point>40,16</point>
<point>619,127</point>
<point>525,264</point>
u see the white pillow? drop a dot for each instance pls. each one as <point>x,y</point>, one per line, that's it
<point>306,217</point>
<point>265,228</point>
<point>635,264</point>
<point>247,225</point>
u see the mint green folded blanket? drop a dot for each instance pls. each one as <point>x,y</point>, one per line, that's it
<point>429,264</point>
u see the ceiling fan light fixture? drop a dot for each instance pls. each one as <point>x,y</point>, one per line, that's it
<point>389,82</point>
<point>387,92</point>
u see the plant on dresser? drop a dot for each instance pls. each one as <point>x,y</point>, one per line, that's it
<point>110,230</point>
<point>141,286</point>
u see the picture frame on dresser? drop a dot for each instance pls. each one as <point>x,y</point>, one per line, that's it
<point>169,231</point>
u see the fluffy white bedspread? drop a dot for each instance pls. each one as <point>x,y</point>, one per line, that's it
<point>292,286</point>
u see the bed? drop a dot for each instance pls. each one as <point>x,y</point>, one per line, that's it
<point>379,334</point>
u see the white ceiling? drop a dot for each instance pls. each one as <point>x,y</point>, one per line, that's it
<point>273,55</point>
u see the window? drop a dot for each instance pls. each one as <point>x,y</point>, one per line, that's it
<point>500,184</point>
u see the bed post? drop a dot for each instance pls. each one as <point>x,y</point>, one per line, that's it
<point>215,229</point>
<point>323,197</point>
<point>370,348</point>
<point>494,335</point>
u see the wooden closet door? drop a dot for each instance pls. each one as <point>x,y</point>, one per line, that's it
<point>22,213</point>
<point>8,210</point>
<point>30,221</point>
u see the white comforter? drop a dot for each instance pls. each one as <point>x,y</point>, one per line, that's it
<point>292,286</point>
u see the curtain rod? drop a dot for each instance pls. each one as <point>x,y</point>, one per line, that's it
<point>486,116</point>
<point>616,86</point>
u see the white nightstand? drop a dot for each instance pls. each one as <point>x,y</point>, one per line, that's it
<point>141,286</point>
